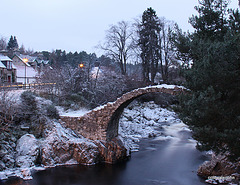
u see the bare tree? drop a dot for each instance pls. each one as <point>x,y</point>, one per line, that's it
<point>167,54</point>
<point>22,49</point>
<point>135,38</point>
<point>3,43</point>
<point>8,108</point>
<point>119,44</point>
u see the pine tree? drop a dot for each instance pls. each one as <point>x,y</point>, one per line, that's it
<point>213,110</point>
<point>15,43</point>
<point>149,44</point>
<point>12,44</point>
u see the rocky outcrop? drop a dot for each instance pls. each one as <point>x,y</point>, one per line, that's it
<point>111,151</point>
<point>219,170</point>
<point>59,146</point>
<point>7,150</point>
<point>219,165</point>
<point>27,151</point>
<point>62,146</point>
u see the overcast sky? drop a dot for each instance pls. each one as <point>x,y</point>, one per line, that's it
<point>79,25</point>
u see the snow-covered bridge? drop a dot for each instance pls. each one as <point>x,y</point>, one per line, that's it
<point>102,122</point>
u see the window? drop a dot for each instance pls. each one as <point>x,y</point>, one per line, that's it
<point>9,65</point>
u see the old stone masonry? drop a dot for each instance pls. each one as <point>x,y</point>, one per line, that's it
<point>102,122</point>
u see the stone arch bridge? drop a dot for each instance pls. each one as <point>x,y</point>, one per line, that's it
<point>102,122</point>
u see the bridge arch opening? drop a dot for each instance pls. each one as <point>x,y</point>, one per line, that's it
<point>113,125</point>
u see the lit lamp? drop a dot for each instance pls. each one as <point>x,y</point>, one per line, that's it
<point>81,65</point>
<point>25,60</point>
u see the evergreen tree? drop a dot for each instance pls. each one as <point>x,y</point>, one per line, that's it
<point>213,110</point>
<point>12,44</point>
<point>149,44</point>
<point>15,43</point>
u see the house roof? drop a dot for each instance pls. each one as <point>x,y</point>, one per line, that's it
<point>30,58</point>
<point>4,58</point>
<point>45,61</point>
<point>2,65</point>
<point>21,57</point>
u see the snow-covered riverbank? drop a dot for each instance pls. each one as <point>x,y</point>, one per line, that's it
<point>144,120</point>
<point>139,120</point>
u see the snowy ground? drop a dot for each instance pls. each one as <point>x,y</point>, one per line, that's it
<point>72,113</point>
<point>143,120</point>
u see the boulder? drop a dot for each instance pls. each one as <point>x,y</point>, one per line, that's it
<point>63,146</point>
<point>27,151</point>
<point>219,165</point>
<point>112,151</point>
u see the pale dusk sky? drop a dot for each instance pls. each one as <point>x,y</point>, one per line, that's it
<point>79,25</point>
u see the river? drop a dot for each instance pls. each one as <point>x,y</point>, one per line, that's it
<point>170,162</point>
<point>169,158</point>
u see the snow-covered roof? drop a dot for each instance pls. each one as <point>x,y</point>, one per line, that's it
<point>2,65</point>
<point>4,58</point>
<point>22,57</point>
<point>30,58</point>
<point>45,61</point>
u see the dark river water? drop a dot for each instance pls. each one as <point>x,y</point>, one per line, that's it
<point>158,161</point>
<point>169,162</point>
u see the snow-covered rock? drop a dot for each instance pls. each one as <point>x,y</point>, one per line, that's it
<point>143,120</point>
<point>219,165</point>
<point>62,146</point>
<point>27,151</point>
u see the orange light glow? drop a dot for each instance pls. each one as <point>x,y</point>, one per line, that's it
<point>81,65</point>
<point>25,60</point>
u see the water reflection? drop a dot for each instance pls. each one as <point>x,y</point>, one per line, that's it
<point>101,174</point>
<point>14,181</point>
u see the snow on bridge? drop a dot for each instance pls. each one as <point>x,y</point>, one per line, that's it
<point>102,122</point>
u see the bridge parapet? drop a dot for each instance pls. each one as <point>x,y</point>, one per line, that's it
<point>102,122</point>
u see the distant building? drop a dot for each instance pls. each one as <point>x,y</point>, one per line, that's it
<point>26,68</point>
<point>7,70</point>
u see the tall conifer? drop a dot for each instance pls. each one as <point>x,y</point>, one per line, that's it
<point>213,110</point>
<point>149,44</point>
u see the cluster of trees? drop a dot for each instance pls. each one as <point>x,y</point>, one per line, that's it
<point>147,42</point>
<point>212,53</point>
<point>12,46</point>
<point>133,51</point>
<point>97,81</point>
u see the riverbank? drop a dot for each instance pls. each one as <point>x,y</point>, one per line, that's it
<point>166,153</point>
<point>60,146</point>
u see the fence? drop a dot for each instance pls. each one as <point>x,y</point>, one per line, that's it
<point>23,86</point>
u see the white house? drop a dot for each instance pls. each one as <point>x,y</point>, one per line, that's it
<point>25,72</point>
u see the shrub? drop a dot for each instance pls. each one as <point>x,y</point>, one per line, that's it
<point>51,111</point>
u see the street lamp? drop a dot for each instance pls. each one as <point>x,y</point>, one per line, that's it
<point>25,60</point>
<point>81,65</point>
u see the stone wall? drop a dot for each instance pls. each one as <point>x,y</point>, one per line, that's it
<point>102,122</point>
